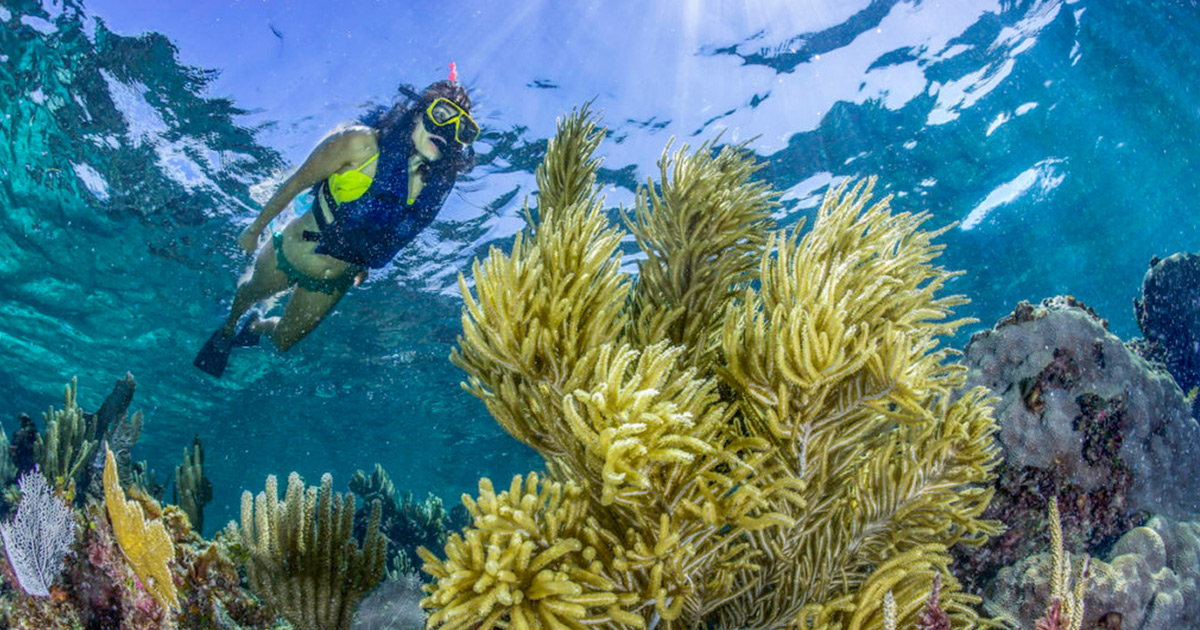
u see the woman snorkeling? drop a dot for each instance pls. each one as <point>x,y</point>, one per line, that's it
<point>375,185</point>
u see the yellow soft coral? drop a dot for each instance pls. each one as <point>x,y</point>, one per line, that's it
<point>523,563</point>
<point>146,545</point>
<point>717,455</point>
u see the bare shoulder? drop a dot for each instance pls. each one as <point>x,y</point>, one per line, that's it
<point>356,142</point>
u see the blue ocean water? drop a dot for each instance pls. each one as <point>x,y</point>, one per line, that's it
<point>1056,134</point>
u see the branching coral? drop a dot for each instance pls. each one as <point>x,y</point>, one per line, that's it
<point>67,443</point>
<point>718,455</point>
<point>193,490</point>
<point>406,523</point>
<point>702,231</point>
<point>303,559</point>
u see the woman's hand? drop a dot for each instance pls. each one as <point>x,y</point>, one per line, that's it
<point>249,239</point>
<point>360,278</point>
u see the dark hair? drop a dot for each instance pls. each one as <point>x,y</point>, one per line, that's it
<point>404,115</point>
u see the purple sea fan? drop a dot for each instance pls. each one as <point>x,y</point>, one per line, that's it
<point>39,536</point>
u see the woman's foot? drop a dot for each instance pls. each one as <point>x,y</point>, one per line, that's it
<point>248,335</point>
<point>264,325</point>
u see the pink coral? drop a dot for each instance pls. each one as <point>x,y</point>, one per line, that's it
<point>933,617</point>
<point>1053,619</point>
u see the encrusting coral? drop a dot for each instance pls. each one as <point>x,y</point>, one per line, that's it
<point>781,458</point>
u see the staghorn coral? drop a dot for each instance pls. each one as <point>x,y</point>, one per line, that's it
<point>302,557</point>
<point>146,545</point>
<point>783,459</point>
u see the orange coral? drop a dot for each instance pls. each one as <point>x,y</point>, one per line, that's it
<point>146,545</point>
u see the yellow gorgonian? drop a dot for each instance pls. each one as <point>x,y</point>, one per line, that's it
<point>146,544</point>
<point>758,430</point>
<point>522,565</point>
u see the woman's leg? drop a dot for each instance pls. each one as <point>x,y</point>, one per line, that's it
<point>305,309</point>
<point>266,280</point>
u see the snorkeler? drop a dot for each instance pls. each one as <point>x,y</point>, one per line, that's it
<point>375,185</point>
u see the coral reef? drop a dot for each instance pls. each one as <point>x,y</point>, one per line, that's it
<point>67,449</point>
<point>1084,418</point>
<point>785,457</point>
<point>1168,314</point>
<point>302,559</point>
<point>120,565</point>
<point>1148,581</point>
<point>100,589</point>
<point>405,523</point>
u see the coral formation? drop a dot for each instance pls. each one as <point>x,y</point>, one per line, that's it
<point>66,444</point>
<point>405,523</point>
<point>145,543</point>
<point>113,426</point>
<point>100,588</point>
<point>785,457</point>
<point>1168,314</point>
<point>192,489</point>
<point>1084,418</point>
<point>39,537</point>
<point>8,468</point>
<point>1148,581</point>
<point>393,605</point>
<point>302,558</point>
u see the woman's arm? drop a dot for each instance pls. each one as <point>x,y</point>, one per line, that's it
<point>339,150</point>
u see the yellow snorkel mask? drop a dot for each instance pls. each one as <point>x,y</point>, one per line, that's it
<point>442,113</point>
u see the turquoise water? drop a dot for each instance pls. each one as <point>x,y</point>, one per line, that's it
<point>1057,134</point>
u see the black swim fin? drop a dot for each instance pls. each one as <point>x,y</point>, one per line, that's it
<point>215,354</point>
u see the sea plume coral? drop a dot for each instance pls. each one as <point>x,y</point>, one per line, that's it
<point>784,457</point>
